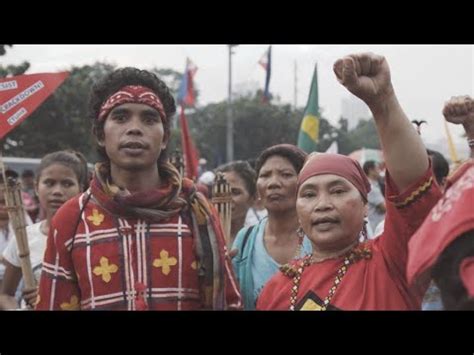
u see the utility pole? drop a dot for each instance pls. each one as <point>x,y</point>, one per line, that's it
<point>295,99</point>
<point>230,122</point>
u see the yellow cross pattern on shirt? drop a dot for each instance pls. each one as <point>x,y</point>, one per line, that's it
<point>96,218</point>
<point>105,269</point>
<point>165,262</point>
<point>72,305</point>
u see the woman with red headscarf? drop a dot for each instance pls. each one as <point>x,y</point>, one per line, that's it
<point>343,273</point>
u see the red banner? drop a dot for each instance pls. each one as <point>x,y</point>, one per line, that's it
<point>21,95</point>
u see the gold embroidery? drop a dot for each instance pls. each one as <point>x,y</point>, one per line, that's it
<point>194,265</point>
<point>105,269</point>
<point>96,218</point>
<point>72,305</point>
<point>165,262</point>
<point>415,194</point>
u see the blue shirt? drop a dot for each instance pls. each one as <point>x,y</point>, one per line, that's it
<point>432,300</point>
<point>254,266</point>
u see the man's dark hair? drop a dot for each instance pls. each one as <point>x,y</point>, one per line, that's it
<point>446,273</point>
<point>245,171</point>
<point>116,80</point>
<point>295,155</point>
<point>439,164</point>
<point>368,166</point>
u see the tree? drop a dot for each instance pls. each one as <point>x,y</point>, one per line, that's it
<point>12,70</point>
<point>3,49</point>
<point>256,127</point>
<point>364,135</point>
<point>172,79</point>
<point>327,135</point>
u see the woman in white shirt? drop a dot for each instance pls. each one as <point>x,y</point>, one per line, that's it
<point>60,176</point>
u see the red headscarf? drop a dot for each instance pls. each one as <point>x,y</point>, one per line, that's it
<point>335,164</point>
<point>451,217</point>
<point>132,94</point>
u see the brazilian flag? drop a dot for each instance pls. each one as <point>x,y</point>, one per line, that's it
<point>309,130</point>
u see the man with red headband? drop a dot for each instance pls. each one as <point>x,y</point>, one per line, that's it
<point>141,237</point>
<point>343,273</point>
<point>443,247</point>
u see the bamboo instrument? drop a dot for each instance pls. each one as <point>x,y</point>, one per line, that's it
<point>222,200</point>
<point>16,213</point>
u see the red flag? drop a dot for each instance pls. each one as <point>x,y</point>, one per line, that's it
<point>186,89</point>
<point>266,63</point>
<point>21,95</point>
<point>190,153</point>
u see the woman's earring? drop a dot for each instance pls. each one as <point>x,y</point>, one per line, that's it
<point>364,231</point>
<point>300,232</point>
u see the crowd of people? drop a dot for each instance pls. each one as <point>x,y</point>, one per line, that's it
<point>308,231</point>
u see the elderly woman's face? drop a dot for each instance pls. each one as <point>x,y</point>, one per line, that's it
<point>331,211</point>
<point>276,184</point>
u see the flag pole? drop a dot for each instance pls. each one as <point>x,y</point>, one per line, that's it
<point>452,148</point>
<point>230,121</point>
<point>295,99</point>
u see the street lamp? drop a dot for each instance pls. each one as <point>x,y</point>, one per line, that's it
<point>230,122</point>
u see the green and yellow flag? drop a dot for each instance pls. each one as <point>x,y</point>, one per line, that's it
<point>309,131</point>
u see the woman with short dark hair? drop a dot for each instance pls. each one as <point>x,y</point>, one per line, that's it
<point>275,240</point>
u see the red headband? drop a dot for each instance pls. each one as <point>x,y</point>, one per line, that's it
<point>336,164</point>
<point>132,94</point>
<point>451,217</point>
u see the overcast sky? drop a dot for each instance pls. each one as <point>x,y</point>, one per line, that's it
<point>424,76</point>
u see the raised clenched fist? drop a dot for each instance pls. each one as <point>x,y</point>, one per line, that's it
<point>365,75</point>
<point>459,110</point>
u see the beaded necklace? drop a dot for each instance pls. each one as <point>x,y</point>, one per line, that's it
<point>353,256</point>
